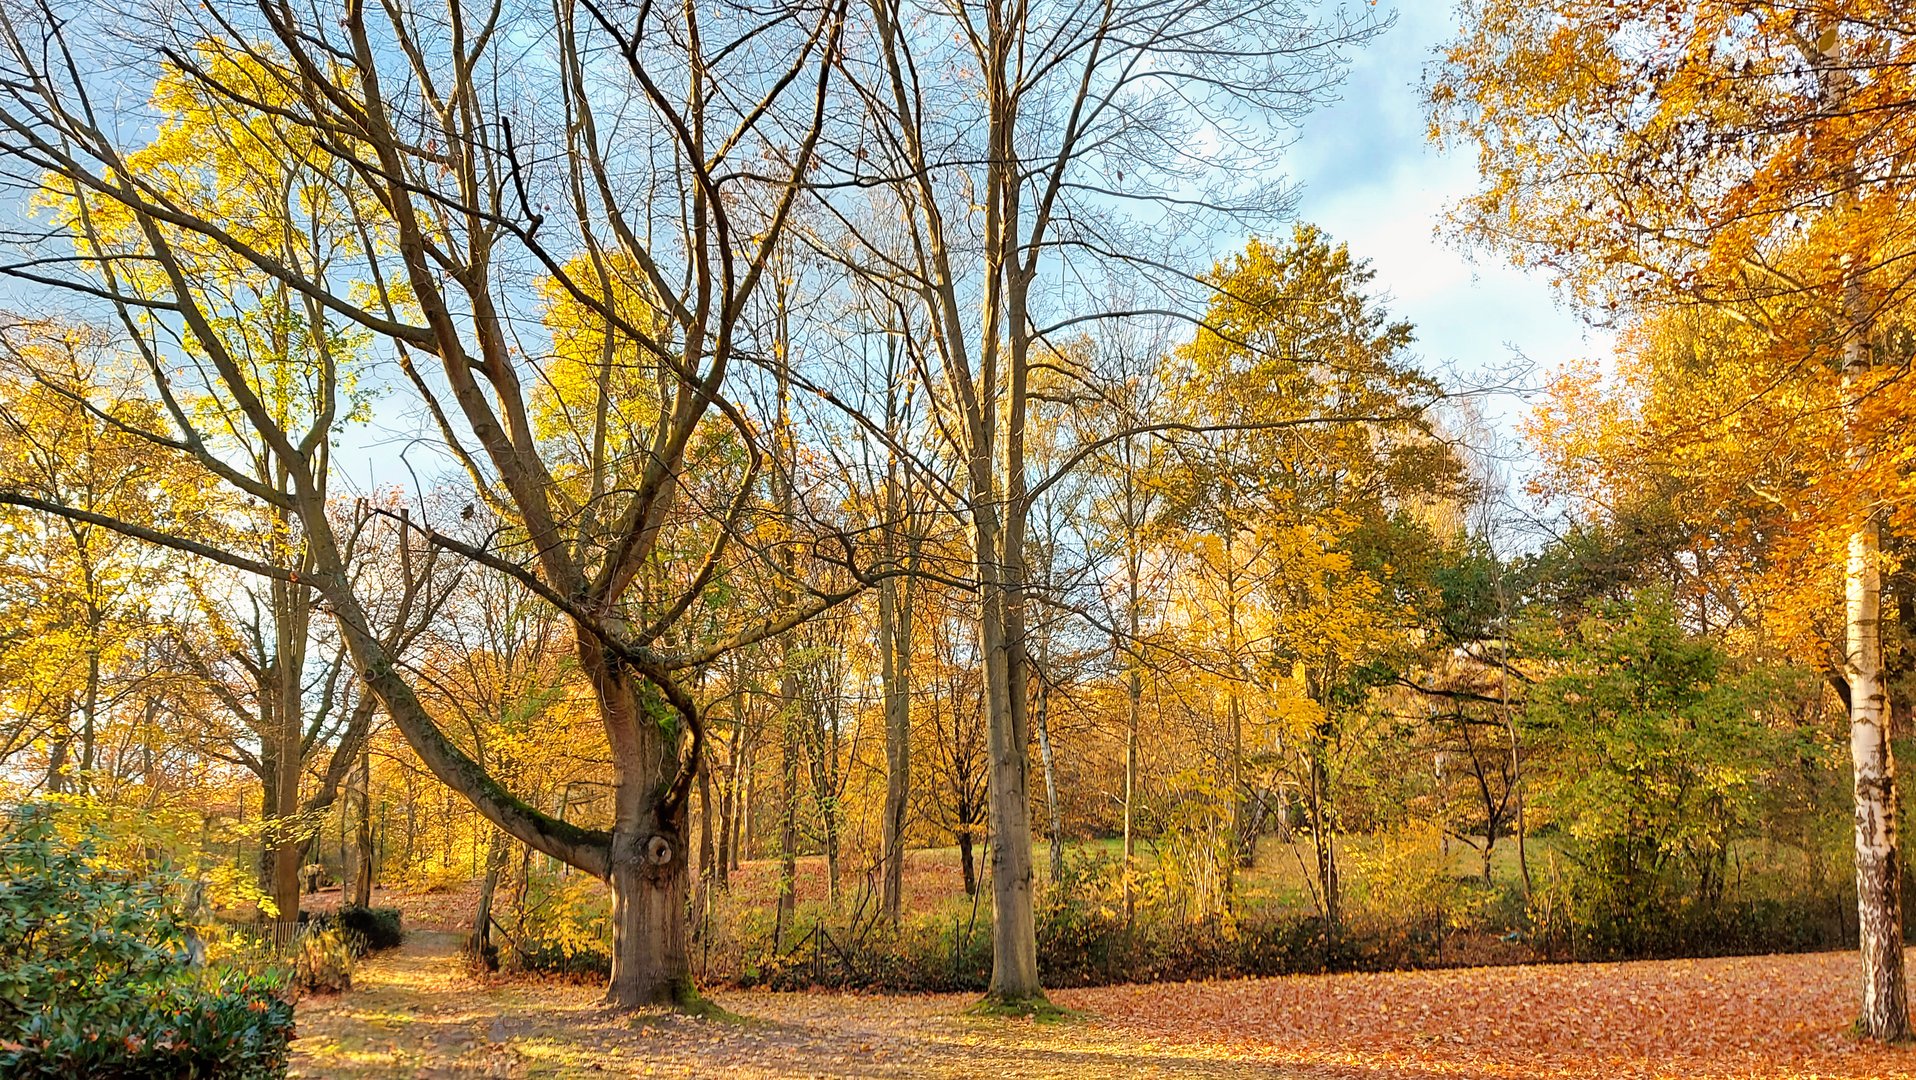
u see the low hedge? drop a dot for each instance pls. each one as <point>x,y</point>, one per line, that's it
<point>370,929</point>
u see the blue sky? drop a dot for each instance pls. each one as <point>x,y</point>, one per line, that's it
<point>1370,178</point>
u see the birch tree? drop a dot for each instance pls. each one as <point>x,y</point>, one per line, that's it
<point>1752,157</point>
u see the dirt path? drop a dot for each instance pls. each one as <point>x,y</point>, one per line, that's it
<point>415,1013</point>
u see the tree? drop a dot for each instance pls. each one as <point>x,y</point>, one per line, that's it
<point>1659,755</point>
<point>452,208</point>
<point>1301,509</point>
<point>1071,117</point>
<point>77,602</point>
<point>1748,157</point>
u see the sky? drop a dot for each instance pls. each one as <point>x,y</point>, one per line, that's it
<point>1370,178</point>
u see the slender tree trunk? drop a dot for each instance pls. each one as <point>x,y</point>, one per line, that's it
<point>895,642</point>
<point>894,633</point>
<point>1324,840</point>
<point>479,943</point>
<point>728,809</point>
<point>829,822</point>
<point>970,868</point>
<point>57,764</point>
<point>1244,849</point>
<point>1243,825</point>
<point>1133,700</point>
<point>1517,784</point>
<point>707,846</point>
<point>831,861</point>
<point>1052,811</point>
<point>788,807</point>
<point>363,865</point>
<point>1014,964</point>
<point>90,703</point>
<point>729,801</point>
<point>1510,729</point>
<point>1130,652</point>
<point>287,845</point>
<point>1879,871</point>
<point>788,690</point>
<point>748,787</point>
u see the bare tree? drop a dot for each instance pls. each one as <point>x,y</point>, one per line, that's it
<point>506,189</point>
<point>1032,149</point>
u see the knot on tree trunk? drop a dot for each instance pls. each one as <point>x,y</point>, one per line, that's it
<point>658,850</point>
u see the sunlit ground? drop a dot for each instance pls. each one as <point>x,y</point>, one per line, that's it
<point>415,1014</point>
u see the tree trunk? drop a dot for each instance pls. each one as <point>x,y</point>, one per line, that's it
<point>742,842</point>
<point>284,684</point>
<point>728,808</point>
<point>1321,834</point>
<point>479,943</point>
<point>1133,694</point>
<point>703,909</point>
<point>650,962</point>
<point>831,861</point>
<point>788,690</point>
<point>1879,872</point>
<point>1130,652</point>
<point>1243,824</point>
<point>726,855</point>
<point>1052,810</point>
<point>965,861</point>
<point>90,703</point>
<point>285,846</point>
<point>57,764</point>
<point>647,860</point>
<point>788,807</point>
<point>1014,935</point>
<point>363,864</point>
<point>285,878</point>
<point>1516,782</point>
<point>894,634</point>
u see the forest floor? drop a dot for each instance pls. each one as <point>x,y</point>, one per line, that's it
<point>415,1012</point>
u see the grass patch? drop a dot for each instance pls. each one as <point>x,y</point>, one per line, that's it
<point>1038,1010</point>
<point>690,1002</point>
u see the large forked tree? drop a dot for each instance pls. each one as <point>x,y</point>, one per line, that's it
<point>550,219</point>
<point>1033,152</point>
<point>1752,156</point>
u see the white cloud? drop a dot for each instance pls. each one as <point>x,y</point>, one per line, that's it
<point>1371,179</point>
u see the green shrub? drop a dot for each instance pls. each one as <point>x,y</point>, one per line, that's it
<point>233,1030</point>
<point>96,971</point>
<point>378,927</point>
<point>367,929</point>
<point>1576,914</point>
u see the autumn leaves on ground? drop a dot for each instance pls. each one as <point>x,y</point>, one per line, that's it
<point>417,1013</point>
